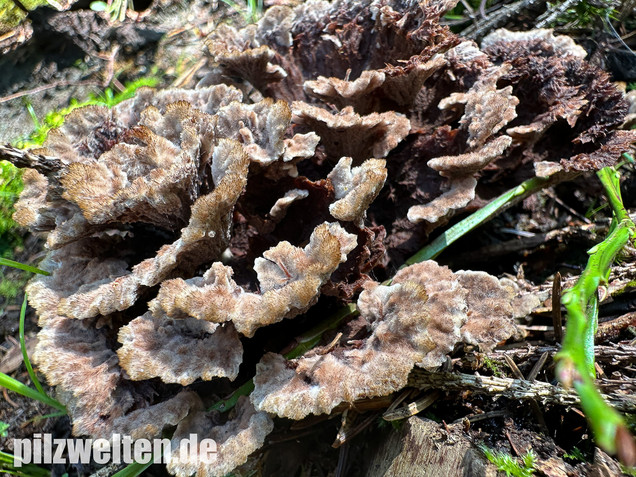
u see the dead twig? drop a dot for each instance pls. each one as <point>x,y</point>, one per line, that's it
<point>44,87</point>
<point>557,319</point>
<point>516,389</point>
<point>615,355</point>
<point>551,15</point>
<point>538,366</point>
<point>498,19</point>
<point>413,408</point>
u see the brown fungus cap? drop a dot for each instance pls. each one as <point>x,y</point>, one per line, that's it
<point>417,320</point>
<point>377,125</point>
<point>289,282</point>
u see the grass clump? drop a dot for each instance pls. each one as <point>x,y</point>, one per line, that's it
<point>55,119</point>
<point>523,467</point>
<point>584,13</point>
<point>10,239</point>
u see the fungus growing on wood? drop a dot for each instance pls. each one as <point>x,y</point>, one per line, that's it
<point>289,281</point>
<point>183,226</point>
<point>235,440</point>
<point>416,321</point>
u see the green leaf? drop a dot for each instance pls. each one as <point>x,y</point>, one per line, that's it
<point>27,268</point>
<point>98,6</point>
<point>26,470</point>
<point>25,356</point>
<point>16,386</point>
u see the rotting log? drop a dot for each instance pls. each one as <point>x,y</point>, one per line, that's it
<point>424,447</point>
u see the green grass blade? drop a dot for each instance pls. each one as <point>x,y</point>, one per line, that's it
<point>133,470</point>
<point>230,402</point>
<point>47,416</point>
<point>27,268</point>
<point>575,361</point>
<point>26,470</point>
<point>16,386</point>
<point>484,214</point>
<point>25,356</point>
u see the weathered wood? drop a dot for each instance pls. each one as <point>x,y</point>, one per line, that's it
<point>423,447</point>
<point>616,355</point>
<point>516,389</point>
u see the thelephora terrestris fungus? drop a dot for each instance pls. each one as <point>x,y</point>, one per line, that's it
<point>415,321</point>
<point>289,280</point>
<point>240,436</point>
<point>325,145</point>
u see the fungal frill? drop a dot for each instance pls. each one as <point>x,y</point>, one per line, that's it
<point>192,233</point>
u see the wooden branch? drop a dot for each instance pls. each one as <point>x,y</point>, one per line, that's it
<point>499,18</point>
<point>46,165</point>
<point>516,389</point>
<point>615,355</point>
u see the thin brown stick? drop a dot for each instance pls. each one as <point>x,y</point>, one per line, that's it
<point>513,367</point>
<point>44,87</point>
<point>538,366</point>
<point>557,319</point>
<point>515,389</point>
<point>413,408</point>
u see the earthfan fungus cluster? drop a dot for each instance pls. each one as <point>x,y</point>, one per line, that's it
<point>327,141</point>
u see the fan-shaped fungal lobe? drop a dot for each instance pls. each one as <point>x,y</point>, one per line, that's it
<point>289,281</point>
<point>235,441</point>
<point>417,320</point>
<point>179,351</point>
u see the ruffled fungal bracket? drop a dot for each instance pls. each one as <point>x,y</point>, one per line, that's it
<point>235,441</point>
<point>486,108</point>
<point>279,209</point>
<point>417,320</point>
<point>75,357</point>
<point>136,200</point>
<point>259,127</point>
<point>471,162</point>
<point>355,188</point>
<point>178,351</point>
<point>349,134</point>
<point>289,282</point>
<point>460,193</point>
<point>289,46</point>
<point>563,88</point>
<point>129,164</point>
<point>232,59</point>
<point>207,100</point>
<point>393,87</point>
<point>102,281</point>
<point>560,44</point>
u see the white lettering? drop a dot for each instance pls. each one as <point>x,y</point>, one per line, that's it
<point>60,445</point>
<point>142,451</point>
<point>22,452</point>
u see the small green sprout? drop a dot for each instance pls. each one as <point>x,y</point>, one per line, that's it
<point>575,454</point>
<point>508,464</point>
<point>3,429</point>
<point>116,9</point>
<point>493,367</point>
